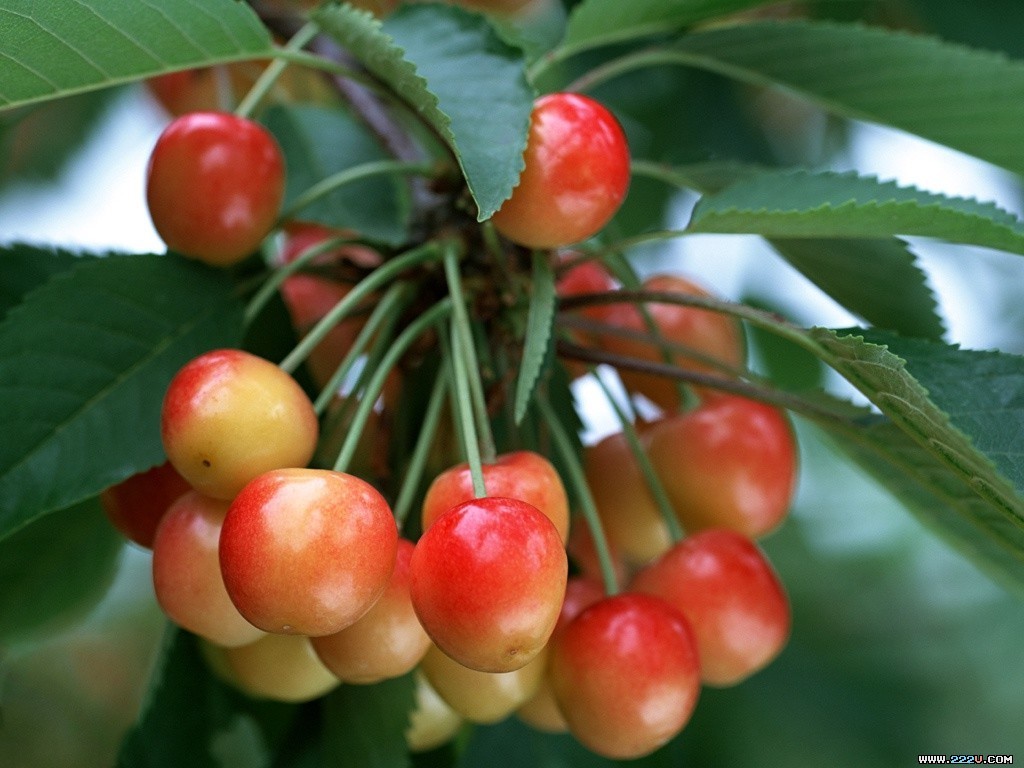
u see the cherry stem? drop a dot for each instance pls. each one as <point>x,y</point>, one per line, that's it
<point>384,311</point>
<point>464,414</point>
<point>578,482</point>
<point>362,289</point>
<point>405,339</point>
<point>282,273</point>
<point>424,442</point>
<point>265,82</point>
<point>643,461</point>
<point>464,345</point>
<point>350,175</point>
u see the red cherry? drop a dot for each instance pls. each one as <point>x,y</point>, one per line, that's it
<point>136,505</point>
<point>575,176</point>
<point>626,675</point>
<point>488,579</point>
<point>725,586</point>
<point>214,186</point>
<point>729,463</point>
<point>307,551</point>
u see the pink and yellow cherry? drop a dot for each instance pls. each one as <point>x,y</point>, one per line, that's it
<point>575,176</point>
<point>487,582</point>
<point>522,475</point>
<point>136,505</point>
<point>387,641</point>
<point>541,711</point>
<point>482,697</point>
<point>229,416</point>
<point>711,335</point>
<point>214,186</point>
<point>277,667</point>
<point>630,516</point>
<point>729,463</point>
<point>186,572</point>
<point>584,277</point>
<point>431,721</point>
<point>307,551</point>
<point>725,586</point>
<point>582,551</point>
<point>626,675</point>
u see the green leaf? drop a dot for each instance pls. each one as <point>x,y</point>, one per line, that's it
<point>948,454</point>
<point>38,597</point>
<point>84,362</point>
<point>24,267</point>
<point>50,50</point>
<point>879,280</point>
<point>190,716</point>
<point>600,22</point>
<point>540,323</point>
<point>967,99</point>
<point>453,69</point>
<point>804,204</point>
<point>318,142</point>
<point>365,725</point>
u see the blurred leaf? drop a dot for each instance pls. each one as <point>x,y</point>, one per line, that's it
<point>365,725</point>
<point>318,142</point>
<point>599,22</point>
<point>967,99</point>
<point>539,327</point>
<point>37,596</point>
<point>190,714</point>
<point>802,204</point>
<point>535,29</point>
<point>24,267</point>
<point>993,24</point>
<point>452,68</point>
<point>84,362</point>
<point>51,50</point>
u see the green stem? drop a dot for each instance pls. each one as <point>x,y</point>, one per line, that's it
<point>383,312</point>
<point>643,461</point>
<point>380,374</point>
<point>349,175</point>
<point>314,61</point>
<point>269,76</point>
<point>361,290</point>
<point>464,344</point>
<point>578,481</point>
<point>418,459</point>
<point>464,415</point>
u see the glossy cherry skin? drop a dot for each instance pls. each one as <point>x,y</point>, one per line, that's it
<point>709,334</point>
<point>276,667</point>
<point>575,177</point>
<point>214,186</point>
<point>307,551</point>
<point>725,586</point>
<point>229,416</point>
<point>387,641</point>
<point>136,505</point>
<point>488,578</point>
<point>729,463</point>
<point>186,572</point>
<point>522,475</point>
<point>626,675</point>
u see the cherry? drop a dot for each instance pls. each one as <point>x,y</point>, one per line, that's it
<point>431,721</point>
<point>277,667</point>
<point>575,177</point>
<point>725,586</point>
<point>135,505</point>
<point>729,463</point>
<point>229,415</point>
<point>214,186</point>
<point>186,572</point>
<point>307,551</point>
<point>709,334</point>
<point>387,641</point>
<point>522,475</point>
<point>482,697</point>
<point>487,582</point>
<point>626,675</point>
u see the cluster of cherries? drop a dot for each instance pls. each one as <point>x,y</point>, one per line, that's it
<point>299,579</point>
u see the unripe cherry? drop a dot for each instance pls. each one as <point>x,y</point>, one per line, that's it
<point>432,722</point>
<point>307,551</point>
<point>487,581</point>
<point>229,416</point>
<point>276,667</point>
